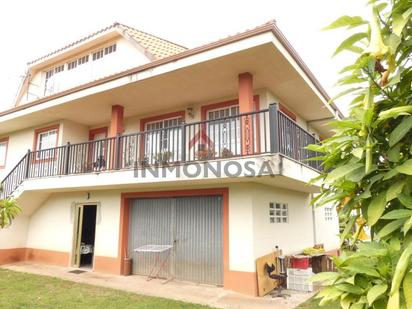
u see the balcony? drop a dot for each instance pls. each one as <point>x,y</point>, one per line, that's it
<point>261,132</point>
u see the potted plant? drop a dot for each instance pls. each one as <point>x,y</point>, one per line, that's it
<point>145,162</point>
<point>226,153</point>
<point>163,158</point>
<point>205,154</point>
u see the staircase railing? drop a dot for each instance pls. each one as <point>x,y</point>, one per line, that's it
<point>16,176</point>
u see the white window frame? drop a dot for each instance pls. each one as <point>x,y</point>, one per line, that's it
<point>159,142</point>
<point>234,145</point>
<point>3,161</point>
<point>84,62</point>
<point>42,155</point>
<point>51,83</point>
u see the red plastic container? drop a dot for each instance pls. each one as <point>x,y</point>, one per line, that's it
<point>300,261</point>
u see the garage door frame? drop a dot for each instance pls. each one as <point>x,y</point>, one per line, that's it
<point>125,213</point>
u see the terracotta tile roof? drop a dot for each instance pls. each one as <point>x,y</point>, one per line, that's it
<point>155,46</point>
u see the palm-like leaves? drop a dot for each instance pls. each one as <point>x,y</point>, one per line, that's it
<point>8,211</point>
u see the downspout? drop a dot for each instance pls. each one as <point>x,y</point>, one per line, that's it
<point>313,221</point>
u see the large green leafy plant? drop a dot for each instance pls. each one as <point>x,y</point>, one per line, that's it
<point>368,163</point>
<point>8,211</point>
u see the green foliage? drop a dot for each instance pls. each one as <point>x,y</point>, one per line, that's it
<point>368,163</point>
<point>8,211</point>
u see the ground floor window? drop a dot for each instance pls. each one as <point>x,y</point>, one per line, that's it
<point>278,213</point>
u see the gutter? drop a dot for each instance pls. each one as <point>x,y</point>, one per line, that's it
<point>315,240</point>
<point>268,27</point>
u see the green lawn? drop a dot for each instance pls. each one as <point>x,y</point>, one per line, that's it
<point>21,290</point>
<point>314,303</point>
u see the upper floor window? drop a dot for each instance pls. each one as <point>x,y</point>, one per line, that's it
<point>110,49</point>
<point>71,65</point>
<point>97,55</point>
<point>102,52</point>
<point>59,69</point>
<point>83,60</point>
<point>3,151</point>
<point>52,81</point>
<point>223,112</point>
<point>62,77</point>
<point>46,139</point>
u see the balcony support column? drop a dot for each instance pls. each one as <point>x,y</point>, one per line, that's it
<point>116,121</point>
<point>116,130</point>
<point>246,105</point>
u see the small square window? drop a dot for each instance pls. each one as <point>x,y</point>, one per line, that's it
<point>328,213</point>
<point>278,213</point>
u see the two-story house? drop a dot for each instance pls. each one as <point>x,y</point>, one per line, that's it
<point>123,139</point>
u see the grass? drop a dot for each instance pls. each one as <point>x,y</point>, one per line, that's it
<point>314,303</point>
<point>21,290</point>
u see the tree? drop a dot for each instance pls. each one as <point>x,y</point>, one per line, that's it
<point>367,164</point>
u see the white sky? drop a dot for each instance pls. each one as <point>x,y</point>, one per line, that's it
<point>34,28</point>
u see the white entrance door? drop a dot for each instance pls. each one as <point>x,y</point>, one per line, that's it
<point>163,141</point>
<point>98,150</point>
<point>225,132</point>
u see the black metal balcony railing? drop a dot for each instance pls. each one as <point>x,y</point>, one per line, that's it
<point>260,132</point>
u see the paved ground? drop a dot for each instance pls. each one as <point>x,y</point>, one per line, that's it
<point>189,292</point>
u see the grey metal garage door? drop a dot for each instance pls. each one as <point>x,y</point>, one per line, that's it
<point>193,224</point>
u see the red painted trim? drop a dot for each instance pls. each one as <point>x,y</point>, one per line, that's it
<point>36,138</point>
<point>125,211</point>
<point>287,112</point>
<point>144,121</point>
<point>94,132</point>
<point>6,140</point>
